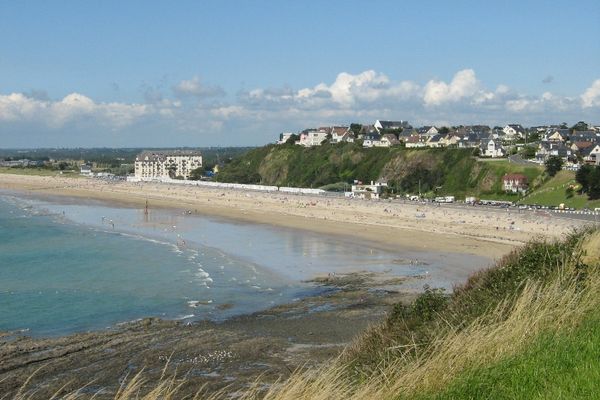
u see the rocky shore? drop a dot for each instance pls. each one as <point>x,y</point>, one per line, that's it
<point>227,356</point>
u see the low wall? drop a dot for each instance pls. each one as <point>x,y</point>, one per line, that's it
<point>223,185</point>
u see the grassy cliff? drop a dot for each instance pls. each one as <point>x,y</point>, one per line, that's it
<point>526,328</point>
<point>440,171</point>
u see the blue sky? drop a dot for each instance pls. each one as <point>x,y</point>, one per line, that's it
<point>150,73</point>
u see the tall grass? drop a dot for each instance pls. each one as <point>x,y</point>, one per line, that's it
<point>553,306</point>
<point>556,296</point>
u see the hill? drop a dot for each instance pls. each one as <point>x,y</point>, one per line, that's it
<point>435,171</point>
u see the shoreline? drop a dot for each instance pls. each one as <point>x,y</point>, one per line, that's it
<point>391,225</point>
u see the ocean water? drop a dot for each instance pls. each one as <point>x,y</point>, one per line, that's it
<point>71,266</point>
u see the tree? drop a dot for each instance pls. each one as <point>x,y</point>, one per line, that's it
<point>355,128</point>
<point>172,169</point>
<point>582,176</point>
<point>533,137</point>
<point>569,192</point>
<point>292,139</point>
<point>528,152</point>
<point>63,165</point>
<point>553,165</point>
<point>196,174</point>
<point>580,126</point>
<point>594,184</point>
<point>444,130</point>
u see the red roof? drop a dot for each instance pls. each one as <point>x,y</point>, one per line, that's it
<point>514,177</point>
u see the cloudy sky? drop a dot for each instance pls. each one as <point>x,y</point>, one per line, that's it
<point>220,73</point>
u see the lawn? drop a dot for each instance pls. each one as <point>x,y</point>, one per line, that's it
<point>38,171</point>
<point>552,193</point>
<point>494,170</point>
<point>556,366</point>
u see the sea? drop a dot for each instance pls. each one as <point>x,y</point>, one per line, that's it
<point>77,265</point>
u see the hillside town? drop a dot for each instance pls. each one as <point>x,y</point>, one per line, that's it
<point>576,145</point>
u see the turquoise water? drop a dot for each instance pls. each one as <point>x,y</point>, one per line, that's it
<point>58,277</point>
<point>70,266</point>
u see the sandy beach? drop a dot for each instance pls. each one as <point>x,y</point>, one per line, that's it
<point>390,224</point>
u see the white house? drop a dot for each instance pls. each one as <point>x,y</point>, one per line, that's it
<point>513,131</point>
<point>341,134</point>
<point>372,191</point>
<point>312,137</point>
<point>371,140</point>
<point>492,148</point>
<point>388,140</point>
<point>593,157</point>
<point>86,169</point>
<point>515,183</point>
<point>558,135</point>
<point>414,141</point>
<point>151,165</point>
<point>381,125</point>
<point>427,130</point>
<point>283,137</point>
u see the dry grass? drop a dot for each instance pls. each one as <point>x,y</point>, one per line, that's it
<point>551,305</point>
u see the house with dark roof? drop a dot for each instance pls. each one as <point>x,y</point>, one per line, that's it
<point>548,149</point>
<point>591,155</point>
<point>371,140</point>
<point>427,130</point>
<point>513,131</point>
<point>436,141</point>
<point>469,141</point>
<point>559,135</point>
<point>414,141</point>
<point>585,136</point>
<point>381,125</point>
<point>492,148</point>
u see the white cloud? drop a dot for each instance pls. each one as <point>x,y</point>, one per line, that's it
<point>463,84</point>
<point>73,107</point>
<point>256,115</point>
<point>591,97</point>
<point>194,87</point>
<point>347,91</point>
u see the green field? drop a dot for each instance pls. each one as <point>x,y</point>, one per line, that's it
<point>556,366</point>
<point>38,171</point>
<point>553,193</point>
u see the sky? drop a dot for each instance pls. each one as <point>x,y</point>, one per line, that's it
<point>222,73</point>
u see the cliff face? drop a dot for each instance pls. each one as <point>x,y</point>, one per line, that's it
<point>445,170</point>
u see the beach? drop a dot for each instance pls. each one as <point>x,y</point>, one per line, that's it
<point>391,224</point>
<point>273,342</point>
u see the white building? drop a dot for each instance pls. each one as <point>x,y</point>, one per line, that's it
<point>86,169</point>
<point>283,137</point>
<point>312,137</point>
<point>151,165</point>
<point>372,191</point>
<point>493,148</point>
<point>393,125</point>
<point>513,131</point>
